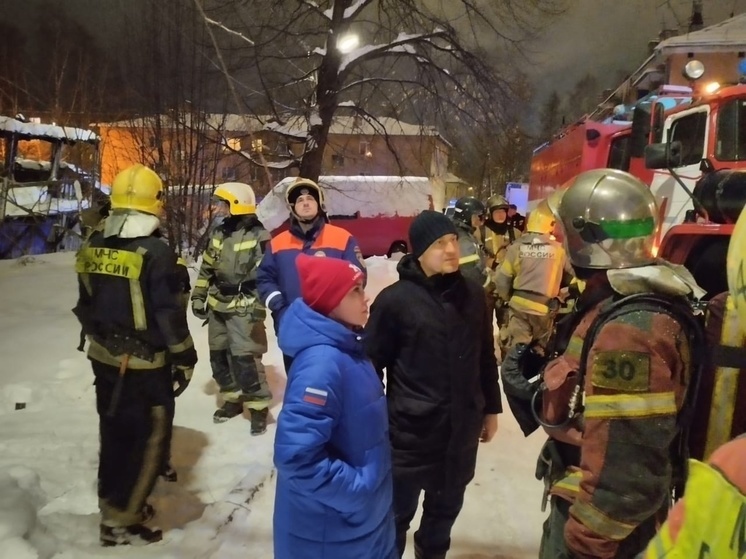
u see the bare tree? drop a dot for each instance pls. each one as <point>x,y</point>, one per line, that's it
<point>419,60</point>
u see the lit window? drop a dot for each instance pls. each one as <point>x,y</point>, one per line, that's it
<point>233,144</point>
<point>257,146</point>
<point>364,148</point>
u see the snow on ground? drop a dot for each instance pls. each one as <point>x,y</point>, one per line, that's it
<point>222,505</point>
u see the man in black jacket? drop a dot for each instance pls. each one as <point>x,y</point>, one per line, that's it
<point>432,333</point>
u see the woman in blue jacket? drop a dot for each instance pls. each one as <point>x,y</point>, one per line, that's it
<point>334,488</point>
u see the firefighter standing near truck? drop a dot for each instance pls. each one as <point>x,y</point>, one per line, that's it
<point>499,234</point>
<point>616,401</point>
<point>468,217</point>
<point>709,521</point>
<point>529,279</point>
<point>225,294</point>
<point>140,349</point>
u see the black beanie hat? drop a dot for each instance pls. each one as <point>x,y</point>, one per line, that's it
<point>427,228</point>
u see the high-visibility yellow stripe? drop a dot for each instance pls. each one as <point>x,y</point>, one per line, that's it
<point>207,258</point>
<point>723,406</point>
<point>618,406</point>
<point>102,355</point>
<point>599,523</point>
<point>178,348</point>
<point>152,460</point>
<point>245,245</point>
<point>212,302</point>
<point>181,262</point>
<point>507,268</point>
<point>570,482</point>
<point>529,304</point>
<point>574,347</point>
<point>467,259</point>
<point>202,282</point>
<point>138,301</point>
<point>217,243</point>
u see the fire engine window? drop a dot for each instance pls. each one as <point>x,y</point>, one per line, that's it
<point>690,131</point>
<point>619,153</point>
<point>731,135</point>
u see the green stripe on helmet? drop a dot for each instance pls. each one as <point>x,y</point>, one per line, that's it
<point>628,229</point>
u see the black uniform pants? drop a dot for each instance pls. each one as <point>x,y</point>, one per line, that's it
<point>439,512</point>
<point>133,440</point>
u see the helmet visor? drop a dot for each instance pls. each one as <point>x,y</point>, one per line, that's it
<point>592,232</point>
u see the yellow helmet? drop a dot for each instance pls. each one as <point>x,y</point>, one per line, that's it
<point>137,188</point>
<point>541,220</point>
<point>737,269</point>
<point>239,195</point>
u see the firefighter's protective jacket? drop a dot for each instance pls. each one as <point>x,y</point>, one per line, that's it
<point>709,521</point>
<point>472,262</point>
<point>497,239</point>
<point>129,296</point>
<point>635,382</point>
<point>721,413</point>
<point>530,276</point>
<point>227,277</point>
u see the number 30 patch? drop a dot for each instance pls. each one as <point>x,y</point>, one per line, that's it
<point>628,371</point>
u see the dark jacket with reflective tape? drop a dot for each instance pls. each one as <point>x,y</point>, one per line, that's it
<point>130,302</point>
<point>227,279</point>
<point>433,336</point>
<point>472,260</point>
<point>636,377</point>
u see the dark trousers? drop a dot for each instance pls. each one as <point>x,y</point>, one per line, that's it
<point>133,440</point>
<point>439,512</point>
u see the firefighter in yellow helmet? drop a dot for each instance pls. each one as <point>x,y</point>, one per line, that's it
<point>140,349</point>
<point>225,294</point>
<point>710,521</point>
<point>530,278</point>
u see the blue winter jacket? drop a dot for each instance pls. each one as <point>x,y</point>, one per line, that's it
<point>277,277</point>
<point>334,484</point>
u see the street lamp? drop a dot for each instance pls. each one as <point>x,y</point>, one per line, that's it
<point>347,43</point>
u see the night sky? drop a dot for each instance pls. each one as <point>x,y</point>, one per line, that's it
<point>603,37</point>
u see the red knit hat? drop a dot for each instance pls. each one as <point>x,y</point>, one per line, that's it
<point>324,281</point>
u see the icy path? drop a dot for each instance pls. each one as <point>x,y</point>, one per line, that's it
<point>222,505</point>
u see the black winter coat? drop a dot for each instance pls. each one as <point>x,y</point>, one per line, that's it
<point>434,338</point>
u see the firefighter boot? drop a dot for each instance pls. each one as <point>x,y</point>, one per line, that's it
<point>258,421</point>
<point>136,534</point>
<point>228,411</point>
<point>221,372</point>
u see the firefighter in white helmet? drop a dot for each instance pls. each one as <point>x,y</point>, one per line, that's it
<point>225,294</point>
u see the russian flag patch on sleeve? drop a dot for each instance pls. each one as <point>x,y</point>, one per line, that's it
<point>315,396</point>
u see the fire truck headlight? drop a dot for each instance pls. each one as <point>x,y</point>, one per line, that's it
<point>711,87</point>
<point>693,70</point>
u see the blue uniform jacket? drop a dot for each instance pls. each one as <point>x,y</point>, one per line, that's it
<point>334,483</point>
<point>277,277</point>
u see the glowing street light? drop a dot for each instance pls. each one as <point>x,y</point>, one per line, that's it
<point>347,43</point>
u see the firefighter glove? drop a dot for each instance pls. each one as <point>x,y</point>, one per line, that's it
<point>181,377</point>
<point>199,309</point>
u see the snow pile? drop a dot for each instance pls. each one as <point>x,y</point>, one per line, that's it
<point>222,505</point>
<point>21,533</point>
<point>367,196</point>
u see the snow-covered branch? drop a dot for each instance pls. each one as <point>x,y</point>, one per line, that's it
<point>403,44</point>
<point>228,30</point>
